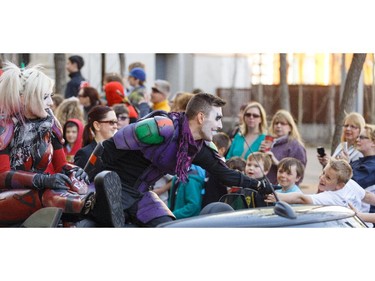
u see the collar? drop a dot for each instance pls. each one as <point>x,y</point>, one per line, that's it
<point>163,105</point>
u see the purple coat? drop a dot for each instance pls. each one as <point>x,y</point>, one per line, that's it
<point>285,147</point>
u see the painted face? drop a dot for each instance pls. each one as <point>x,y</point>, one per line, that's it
<point>71,134</point>
<point>212,123</point>
<point>252,117</point>
<point>33,113</point>
<point>328,180</point>
<point>287,178</point>
<point>281,128</point>
<point>47,100</point>
<point>253,169</point>
<point>351,132</point>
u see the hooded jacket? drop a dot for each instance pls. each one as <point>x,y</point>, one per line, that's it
<point>71,151</point>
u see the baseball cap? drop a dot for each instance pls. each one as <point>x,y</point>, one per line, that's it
<point>138,73</point>
<point>162,86</point>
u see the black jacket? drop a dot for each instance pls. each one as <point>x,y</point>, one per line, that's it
<point>72,87</point>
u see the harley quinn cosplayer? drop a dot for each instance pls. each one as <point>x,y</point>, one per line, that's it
<point>161,143</point>
<point>30,141</point>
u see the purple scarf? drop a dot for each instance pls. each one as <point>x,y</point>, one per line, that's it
<point>187,147</point>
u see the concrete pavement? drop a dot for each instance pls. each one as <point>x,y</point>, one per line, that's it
<point>312,171</point>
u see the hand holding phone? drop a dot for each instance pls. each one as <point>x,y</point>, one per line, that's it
<point>345,147</point>
<point>321,151</point>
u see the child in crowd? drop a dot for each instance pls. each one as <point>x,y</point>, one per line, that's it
<point>236,163</point>
<point>185,199</point>
<point>258,164</point>
<point>72,133</point>
<point>336,188</point>
<point>289,171</point>
<point>213,190</point>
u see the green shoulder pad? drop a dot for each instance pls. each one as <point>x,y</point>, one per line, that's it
<point>147,132</point>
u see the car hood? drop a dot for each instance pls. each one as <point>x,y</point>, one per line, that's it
<point>266,217</point>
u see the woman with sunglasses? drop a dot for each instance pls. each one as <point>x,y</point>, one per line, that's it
<point>101,125</point>
<point>88,98</point>
<point>353,125</point>
<point>252,132</point>
<point>287,143</point>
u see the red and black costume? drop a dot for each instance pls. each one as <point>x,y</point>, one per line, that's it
<point>26,150</point>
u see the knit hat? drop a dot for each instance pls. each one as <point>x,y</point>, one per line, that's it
<point>78,60</point>
<point>138,73</point>
<point>114,92</point>
<point>162,87</point>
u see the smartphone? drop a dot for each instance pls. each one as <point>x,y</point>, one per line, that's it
<point>345,147</point>
<point>321,151</point>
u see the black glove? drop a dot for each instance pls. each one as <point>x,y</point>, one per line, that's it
<point>80,174</point>
<point>264,187</point>
<point>56,181</point>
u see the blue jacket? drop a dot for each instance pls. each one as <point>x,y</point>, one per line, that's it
<point>185,199</point>
<point>364,171</point>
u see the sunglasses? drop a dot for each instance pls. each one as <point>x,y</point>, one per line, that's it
<point>110,122</point>
<point>248,115</point>
<point>363,137</point>
<point>350,126</point>
<point>122,118</point>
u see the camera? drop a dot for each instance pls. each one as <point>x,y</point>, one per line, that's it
<point>321,151</point>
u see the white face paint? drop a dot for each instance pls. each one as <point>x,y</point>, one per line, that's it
<point>33,113</point>
<point>212,123</point>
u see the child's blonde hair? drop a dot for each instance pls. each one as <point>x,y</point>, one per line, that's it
<point>342,168</point>
<point>261,156</point>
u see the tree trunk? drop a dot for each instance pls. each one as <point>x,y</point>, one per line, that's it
<point>350,90</point>
<point>103,67</point>
<point>60,75</point>
<point>284,92</point>
<point>122,60</point>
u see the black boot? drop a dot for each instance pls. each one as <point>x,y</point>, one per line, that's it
<point>108,209</point>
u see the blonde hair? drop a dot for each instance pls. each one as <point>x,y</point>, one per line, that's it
<point>342,168</point>
<point>355,118</point>
<point>370,131</point>
<point>180,101</point>
<point>29,83</point>
<point>69,108</point>
<point>284,115</point>
<point>261,156</point>
<point>262,125</point>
